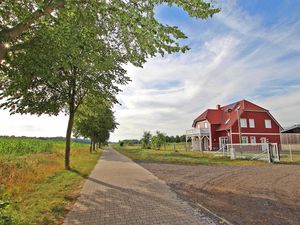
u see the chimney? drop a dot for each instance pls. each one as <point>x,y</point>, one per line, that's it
<point>218,107</point>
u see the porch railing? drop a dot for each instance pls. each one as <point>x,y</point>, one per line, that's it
<point>198,132</point>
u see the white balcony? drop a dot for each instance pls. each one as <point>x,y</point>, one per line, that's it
<point>198,132</point>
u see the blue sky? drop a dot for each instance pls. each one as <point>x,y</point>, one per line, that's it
<point>251,50</point>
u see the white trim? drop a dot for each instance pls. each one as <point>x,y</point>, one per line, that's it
<point>244,123</point>
<point>253,138</point>
<point>268,124</point>
<point>251,123</point>
<point>245,138</point>
<point>257,133</point>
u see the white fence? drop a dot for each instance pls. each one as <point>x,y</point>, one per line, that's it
<point>259,151</point>
<point>290,147</point>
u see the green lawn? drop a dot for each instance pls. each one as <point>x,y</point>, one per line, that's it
<point>36,189</point>
<point>286,158</point>
<point>182,157</point>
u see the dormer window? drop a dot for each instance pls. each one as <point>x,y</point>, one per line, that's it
<point>205,125</point>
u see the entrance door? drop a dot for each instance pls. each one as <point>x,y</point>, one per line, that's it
<point>223,141</point>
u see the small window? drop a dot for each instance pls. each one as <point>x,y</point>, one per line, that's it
<point>198,125</point>
<point>268,124</point>
<point>243,123</point>
<point>244,140</point>
<point>205,125</point>
<point>251,123</point>
<point>252,139</point>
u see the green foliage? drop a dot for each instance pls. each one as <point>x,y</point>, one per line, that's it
<point>146,139</point>
<point>23,146</point>
<point>95,119</point>
<point>130,26</point>
<point>158,140</point>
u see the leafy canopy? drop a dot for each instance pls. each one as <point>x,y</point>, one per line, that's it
<point>127,25</point>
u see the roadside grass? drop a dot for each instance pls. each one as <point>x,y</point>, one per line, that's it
<point>180,157</point>
<point>36,189</point>
<point>285,157</point>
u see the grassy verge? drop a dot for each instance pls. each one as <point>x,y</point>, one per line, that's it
<point>181,157</point>
<point>285,157</point>
<point>35,188</point>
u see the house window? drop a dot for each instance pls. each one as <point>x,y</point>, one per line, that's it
<point>244,140</point>
<point>252,139</point>
<point>198,125</point>
<point>243,123</point>
<point>268,124</point>
<point>251,123</point>
<point>205,124</point>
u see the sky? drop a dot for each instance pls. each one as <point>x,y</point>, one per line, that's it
<point>250,50</point>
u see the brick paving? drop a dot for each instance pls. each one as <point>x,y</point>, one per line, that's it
<point>120,192</point>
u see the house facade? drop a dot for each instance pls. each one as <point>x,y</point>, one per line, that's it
<point>240,122</point>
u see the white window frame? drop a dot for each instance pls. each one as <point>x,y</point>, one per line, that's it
<point>244,140</point>
<point>252,139</point>
<point>243,123</point>
<point>251,123</point>
<point>268,124</point>
<point>205,124</point>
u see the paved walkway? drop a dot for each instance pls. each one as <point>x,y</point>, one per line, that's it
<point>120,192</point>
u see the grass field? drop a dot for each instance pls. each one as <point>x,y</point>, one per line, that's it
<point>167,154</point>
<point>35,188</point>
<point>182,157</point>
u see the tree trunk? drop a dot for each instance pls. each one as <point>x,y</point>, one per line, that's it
<point>94,146</point>
<point>68,140</point>
<point>91,145</point>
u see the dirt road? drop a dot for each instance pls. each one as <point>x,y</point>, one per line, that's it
<point>267,194</point>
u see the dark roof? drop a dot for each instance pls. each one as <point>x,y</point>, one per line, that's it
<point>286,130</point>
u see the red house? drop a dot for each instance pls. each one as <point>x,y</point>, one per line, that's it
<point>240,122</point>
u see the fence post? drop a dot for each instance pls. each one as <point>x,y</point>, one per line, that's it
<point>269,155</point>
<point>174,147</point>
<point>232,154</point>
<point>291,155</point>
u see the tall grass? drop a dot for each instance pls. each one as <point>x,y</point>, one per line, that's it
<point>23,146</point>
<point>34,186</point>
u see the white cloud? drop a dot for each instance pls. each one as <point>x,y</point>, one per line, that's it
<point>244,61</point>
<point>234,58</point>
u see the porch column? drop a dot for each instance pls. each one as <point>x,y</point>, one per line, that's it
<point>200,143</point>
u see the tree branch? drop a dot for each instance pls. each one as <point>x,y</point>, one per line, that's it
<point>17,30</point>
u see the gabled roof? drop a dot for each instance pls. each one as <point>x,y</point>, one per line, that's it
<point>227,115</point>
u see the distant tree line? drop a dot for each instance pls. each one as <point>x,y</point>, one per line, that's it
<point>156,141</point>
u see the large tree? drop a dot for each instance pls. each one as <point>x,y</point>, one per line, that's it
<point>129,23</point>
<point>72,63</point>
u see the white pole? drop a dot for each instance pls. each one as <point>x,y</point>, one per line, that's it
<point>269,156</point>
<point>277,152</point>
<point>291,155</point>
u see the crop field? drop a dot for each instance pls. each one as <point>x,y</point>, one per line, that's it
<point>35,188</point>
